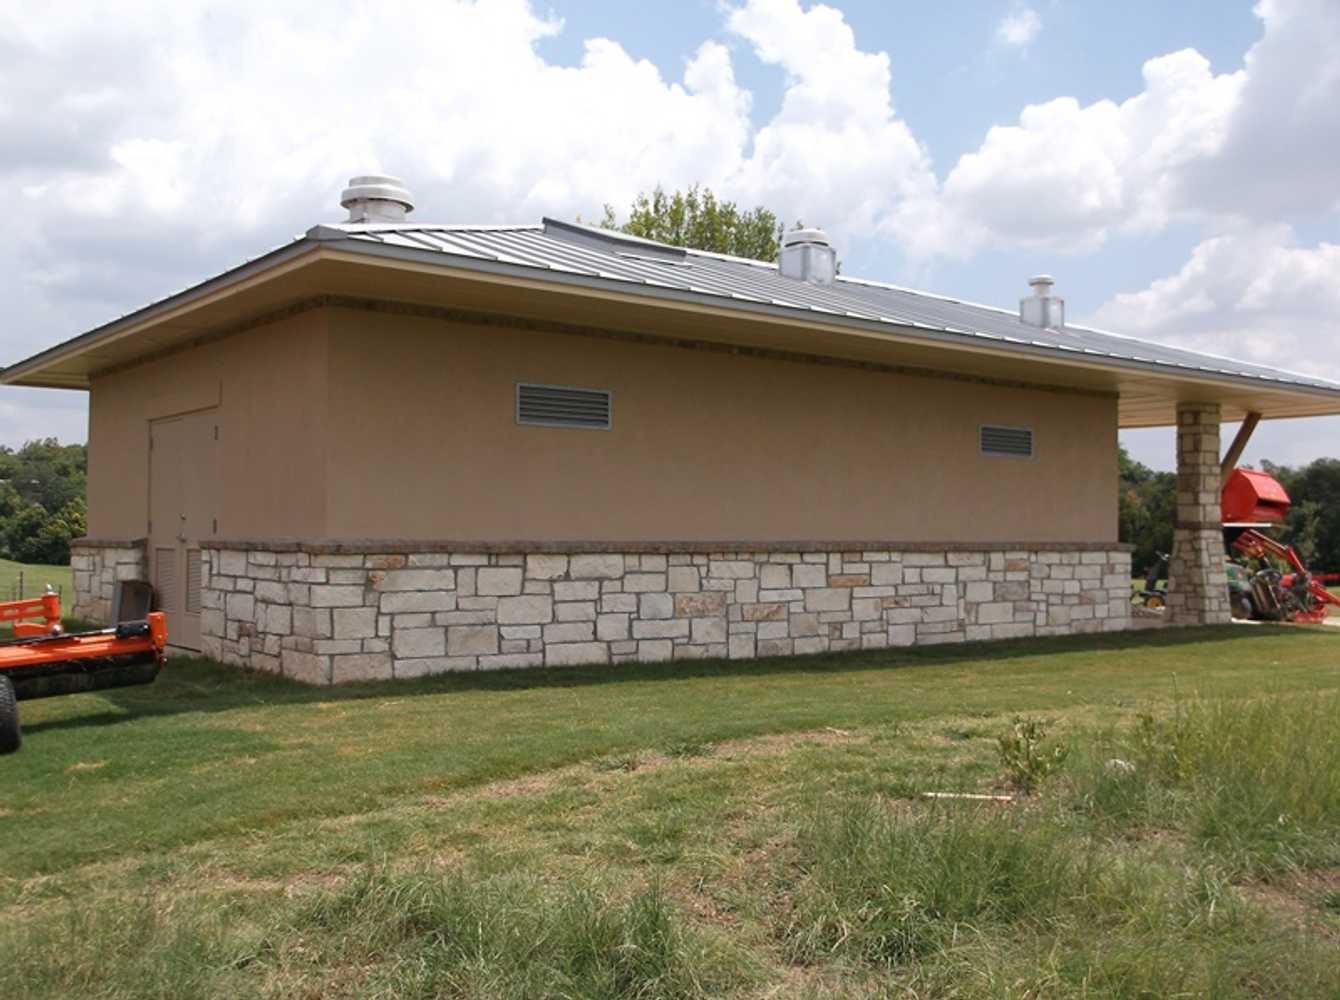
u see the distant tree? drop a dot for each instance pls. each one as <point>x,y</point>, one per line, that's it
<point>1146,510</point>
<point>696,218</point>
<point>1313,524</point>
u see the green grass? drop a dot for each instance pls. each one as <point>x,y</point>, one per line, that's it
<point>35,579</point>
<point>686,830</point>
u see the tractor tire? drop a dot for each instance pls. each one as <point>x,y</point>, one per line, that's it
<point>10,736</point>
<point>1243,607</point>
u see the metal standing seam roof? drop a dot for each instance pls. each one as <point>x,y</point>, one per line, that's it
<point>572,253</point>
<point>563,248</point>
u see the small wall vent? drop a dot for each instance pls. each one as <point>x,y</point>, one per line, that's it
<point>562,406</point>
<point>1006,442</point>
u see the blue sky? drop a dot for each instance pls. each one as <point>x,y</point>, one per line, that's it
<point>1171,164</point>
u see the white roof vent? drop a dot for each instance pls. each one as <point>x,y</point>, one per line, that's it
<point>376,198</point>
<point>1042,308</point>
<point>808,256</point>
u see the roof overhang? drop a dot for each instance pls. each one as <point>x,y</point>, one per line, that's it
<point>312,268</point>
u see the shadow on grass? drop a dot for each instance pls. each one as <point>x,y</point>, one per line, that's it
<point>196,684</point>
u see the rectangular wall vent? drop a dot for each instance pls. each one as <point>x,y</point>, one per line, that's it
<point>1007,442</point>
<point>562,406</point>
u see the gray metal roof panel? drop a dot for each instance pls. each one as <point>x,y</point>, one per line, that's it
<point>583,250</point>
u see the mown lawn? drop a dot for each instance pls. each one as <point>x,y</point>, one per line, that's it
<point>34,578</point>
<point>694,830</point>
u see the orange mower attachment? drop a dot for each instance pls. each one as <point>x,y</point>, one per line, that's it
<point>54,663</point>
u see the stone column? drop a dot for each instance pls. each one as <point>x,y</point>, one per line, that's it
<point>1197,583</point>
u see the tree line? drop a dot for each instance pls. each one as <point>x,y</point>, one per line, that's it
<point>42,506</point>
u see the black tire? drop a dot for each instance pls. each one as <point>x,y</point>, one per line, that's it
<point>1243,607</point>
<point>10,736</point>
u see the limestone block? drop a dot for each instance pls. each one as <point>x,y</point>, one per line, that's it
<point>674,628</point>
<point>655,650</point>
<point>612,627</point>
<point>581,590</point>
<point>306,667</point>
<point>472,640</point>
<point>656,605</point>
<point>498,581</point>
<point>422,579</point>
<point>575,611</point>
<point>361,667</point>
<point>278,619</point>
<point>635,583</point>
<point>701,605</point>
<point>546,567</point>
<point>741,647</point>
<point>828,599</point>
<point>241,607</point>
<point>355,623</point>
<point>511,661</point>
<point>569,632</point>
<point>526,610</point>
<point>708,630</point>
<point>574,653</point>
<point>683,579</point>
<point>417,601</point>
<point>596,567</point>
<point>329,595</point>
<point>805,575</point>
<point>418,642</point>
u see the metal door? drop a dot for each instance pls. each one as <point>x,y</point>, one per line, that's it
<point>183,491</point>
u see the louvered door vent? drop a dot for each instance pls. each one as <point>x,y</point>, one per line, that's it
<point>1007,442</point>
<point>562,406</point>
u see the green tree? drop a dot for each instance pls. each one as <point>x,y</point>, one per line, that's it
<point>1313,523</point>
<point>1146,510</point>
<point>696,218</point>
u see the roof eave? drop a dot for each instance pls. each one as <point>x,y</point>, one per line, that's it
<point>34,371</point>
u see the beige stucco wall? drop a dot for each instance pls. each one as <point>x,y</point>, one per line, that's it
<point>354,424</point>
<point>705,445</point>
<point>269,385</point>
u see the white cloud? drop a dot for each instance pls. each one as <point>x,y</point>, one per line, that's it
<point>191,136</point>
<point>1253,294</point>
<point>1068,174</point>
<point>1257,144</point>
<point>1018,28</point>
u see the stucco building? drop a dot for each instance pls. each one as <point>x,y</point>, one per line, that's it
<point>389,449</point>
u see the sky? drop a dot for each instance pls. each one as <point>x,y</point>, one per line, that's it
<point>1172,165</point>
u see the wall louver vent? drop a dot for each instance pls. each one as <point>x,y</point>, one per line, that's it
<point>562,406</point>
<point>1008,442</point>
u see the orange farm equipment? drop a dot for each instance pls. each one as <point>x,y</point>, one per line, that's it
<point>1295,595</point>
<point>42,660</point>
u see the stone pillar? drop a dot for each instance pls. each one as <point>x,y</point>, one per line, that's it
<point>1197,583</point>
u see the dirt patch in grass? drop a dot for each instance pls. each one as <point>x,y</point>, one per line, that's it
<point>1307,900</point>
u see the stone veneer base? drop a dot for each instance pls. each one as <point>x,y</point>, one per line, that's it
<point>97,565</point>
<point>326,612</point>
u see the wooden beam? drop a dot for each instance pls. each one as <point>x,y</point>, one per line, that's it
<point>1239,444</point>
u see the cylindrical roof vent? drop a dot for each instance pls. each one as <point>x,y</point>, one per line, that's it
<point>1042,308</point>
<point>808,256</point>
<point>376,198</point>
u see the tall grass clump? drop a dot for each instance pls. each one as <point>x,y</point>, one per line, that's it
<point>381,935</point>
<point>883,888</point>
<point>982,902</point>
<point>512,936</point>
<point>1256,783</point>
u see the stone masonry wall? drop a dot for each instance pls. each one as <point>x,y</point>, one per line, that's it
<point>331,616</point>
<point>97,566</point>
<point>1197,580</point>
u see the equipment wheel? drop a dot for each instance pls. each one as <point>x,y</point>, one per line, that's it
<point>1243,607</point>
<point>10,736</point>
